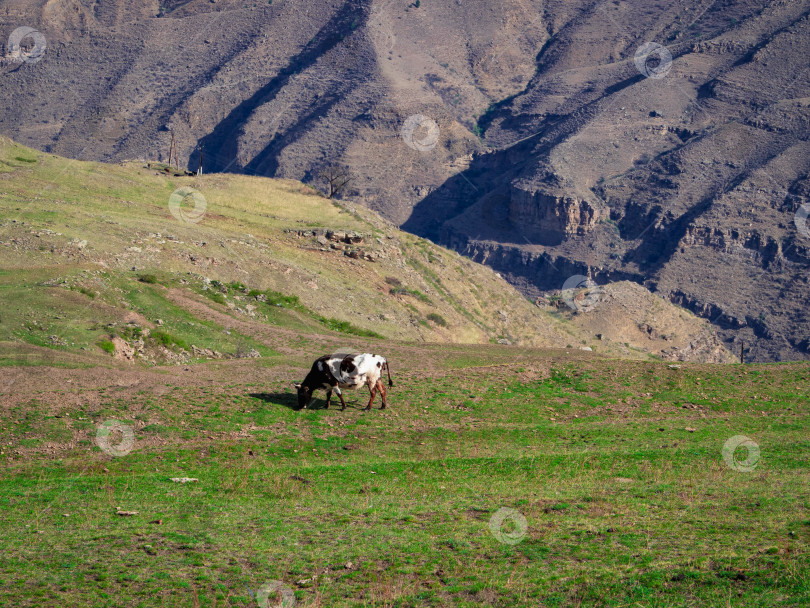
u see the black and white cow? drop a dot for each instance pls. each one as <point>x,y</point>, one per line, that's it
<point>337,372</point>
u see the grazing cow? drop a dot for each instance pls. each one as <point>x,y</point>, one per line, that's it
<point>337,372</point>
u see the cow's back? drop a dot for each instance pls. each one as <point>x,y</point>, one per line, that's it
<point>353,371</point>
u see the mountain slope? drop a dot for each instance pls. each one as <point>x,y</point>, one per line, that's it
<point>552,155</point>
<point>688,183</point>
<point>275,90</point>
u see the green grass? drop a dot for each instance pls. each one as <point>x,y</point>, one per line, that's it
<point>623,506</point>
<point>275,298</point>
<point>290,305</point>
<point>346,328</point>
<point>148,278</point>
<point>215,296</point>
<point>165,339</point>
<point>89,293</point>
<point>37,309</point>
<point>106,345</point>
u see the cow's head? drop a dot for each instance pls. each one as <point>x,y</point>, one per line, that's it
<point>304,395</point>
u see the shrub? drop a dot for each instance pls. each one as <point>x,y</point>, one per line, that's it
<point>88,292</point>
<point>393,281</point>
<point>437,319</point>
<point>215,296</point>
<point>347,328</point>
<point>237,286</point>
<point>106,345</point>
<point>130,332</point>
<point>167,340</point>
<point>410,292</point>
<point>276,298</point>
<point>147,278</point>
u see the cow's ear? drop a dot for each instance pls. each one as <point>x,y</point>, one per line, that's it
<point>297,385</point>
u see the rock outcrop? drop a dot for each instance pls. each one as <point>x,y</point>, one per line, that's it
<point>549,218</point>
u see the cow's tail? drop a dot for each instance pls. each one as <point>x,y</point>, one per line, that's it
<point>388,369</point>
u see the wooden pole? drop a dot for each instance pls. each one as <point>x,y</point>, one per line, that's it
<point>742,351</point>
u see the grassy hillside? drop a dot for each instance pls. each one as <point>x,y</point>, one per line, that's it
<point>85,245</point>
<point>101,259</point>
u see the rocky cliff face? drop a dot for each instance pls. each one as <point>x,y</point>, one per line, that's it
<point>532,270</point>
<point>551,219</point>
<point>765,250</point>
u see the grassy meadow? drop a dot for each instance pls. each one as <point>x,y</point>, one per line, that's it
<point>613,474</point>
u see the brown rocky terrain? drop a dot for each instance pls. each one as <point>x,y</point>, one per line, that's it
<point>630,317</point>
<point>554,151</point>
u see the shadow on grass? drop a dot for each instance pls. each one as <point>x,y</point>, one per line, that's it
<point>290,400</point>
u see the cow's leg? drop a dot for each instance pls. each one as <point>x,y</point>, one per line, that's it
<point>373,390</point>
<point>381,388</point>
<point>328,397</point>
<point>340,394</point>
